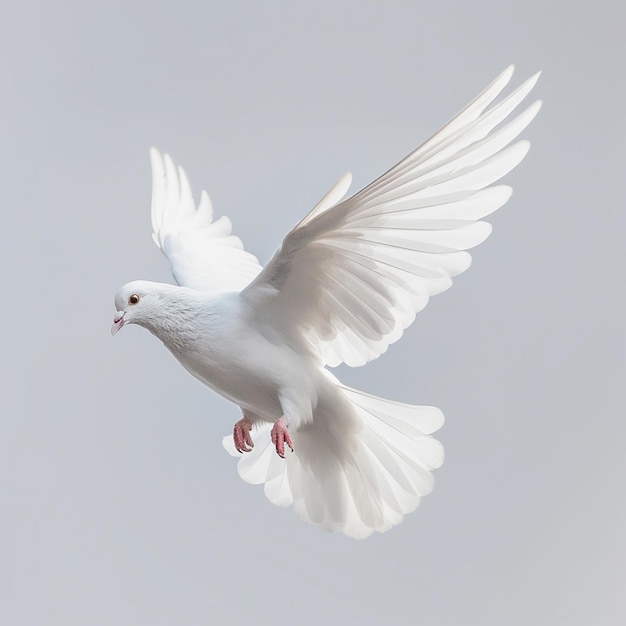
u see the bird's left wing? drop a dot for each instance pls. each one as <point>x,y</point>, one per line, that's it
<point>351,278</point>
<point>202,252</point>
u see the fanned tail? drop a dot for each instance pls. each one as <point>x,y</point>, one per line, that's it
<point>360,466</point>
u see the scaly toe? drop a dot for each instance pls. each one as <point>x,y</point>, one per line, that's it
<point>241,435</point>
<point>280,437</point>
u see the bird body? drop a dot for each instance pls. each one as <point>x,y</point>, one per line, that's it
<point>344,284</point>
<point>219,340</point>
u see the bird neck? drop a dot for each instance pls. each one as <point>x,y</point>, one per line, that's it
<point>175,322</point>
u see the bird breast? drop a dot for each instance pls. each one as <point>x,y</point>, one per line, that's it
<point>230,354</point>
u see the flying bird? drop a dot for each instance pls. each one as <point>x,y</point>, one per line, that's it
<point>344,284</point>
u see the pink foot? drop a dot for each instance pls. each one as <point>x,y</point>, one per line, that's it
<point>280,437</point>
<point>241,435</point>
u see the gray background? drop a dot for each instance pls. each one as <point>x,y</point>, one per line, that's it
<point>119,505</point>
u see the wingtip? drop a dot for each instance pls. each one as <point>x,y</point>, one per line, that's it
<point>523,146</point>
<point>532,81</point>
<point>535,107</point>
<point>506,73</point>
<point>169,162</point>
<point>156,161</point>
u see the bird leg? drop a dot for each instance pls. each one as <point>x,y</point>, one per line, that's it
<point>241,435</point>
<point>280,437</point>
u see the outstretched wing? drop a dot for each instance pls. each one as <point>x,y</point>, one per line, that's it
<point>203,254</point>
<point>352,277</point>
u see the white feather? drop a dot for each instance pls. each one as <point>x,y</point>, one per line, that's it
<point>202,253</point>
<point>361,466</point>
<point>408,230</point>
<point>346,282</point>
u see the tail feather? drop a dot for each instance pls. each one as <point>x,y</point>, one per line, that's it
<point>360,466</point>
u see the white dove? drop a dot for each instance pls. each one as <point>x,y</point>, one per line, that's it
<point>345,283</point>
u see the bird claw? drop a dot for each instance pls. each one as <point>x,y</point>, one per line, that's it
<point>280,437</point>
<point>241,435</point>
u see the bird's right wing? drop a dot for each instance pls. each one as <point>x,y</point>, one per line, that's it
<point>202,252</point>
<point>351,277</point>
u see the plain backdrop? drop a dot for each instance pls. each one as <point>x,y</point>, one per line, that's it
<point>118,504</point>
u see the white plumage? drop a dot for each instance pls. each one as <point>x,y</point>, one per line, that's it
<point>345,283</point>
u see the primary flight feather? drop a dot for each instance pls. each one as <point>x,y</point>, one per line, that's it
<point>345,283</point>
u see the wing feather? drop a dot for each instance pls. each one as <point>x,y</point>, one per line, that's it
<point>353,274</point>
<point>203,254</point>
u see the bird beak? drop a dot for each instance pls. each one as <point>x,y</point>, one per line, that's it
<point>118,322</point>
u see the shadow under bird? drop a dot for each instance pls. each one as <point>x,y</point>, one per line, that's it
<point>344,284</point>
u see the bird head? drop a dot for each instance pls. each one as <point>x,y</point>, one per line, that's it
<point>135,303</point>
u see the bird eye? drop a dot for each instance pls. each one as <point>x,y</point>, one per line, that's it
<point>133,298</point>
